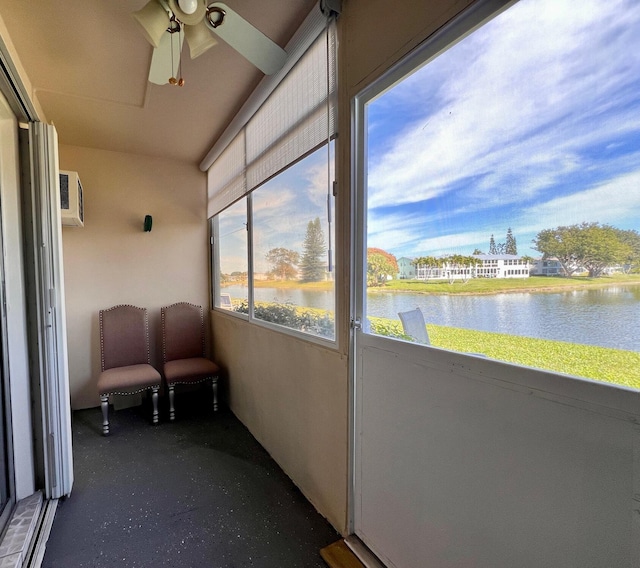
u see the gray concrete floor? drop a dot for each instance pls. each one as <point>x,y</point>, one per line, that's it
<point>197,492</point>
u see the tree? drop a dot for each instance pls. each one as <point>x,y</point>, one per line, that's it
<point>560,243</point>
<point>528,259</point>
<point>380,266</point>
<point>492,246</point>
<point>459,264</point>
<point>430,264</point>
<point>632,239</point>
<point>454,264</point>
<point>601,247</point>
<point>477,251</point>
<point>283,263</point>
<point>313,264</point>
<point>239,276</point>
<point>510,246</point>
<point>588,245</point>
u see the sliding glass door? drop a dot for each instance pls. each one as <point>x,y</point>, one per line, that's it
<point>8,177</point>
<point>5,491</point>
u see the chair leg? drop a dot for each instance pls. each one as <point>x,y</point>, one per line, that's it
<point>154,398</point>
<point>104,403</point>
<point>214,387</point>
<point>172,411</point>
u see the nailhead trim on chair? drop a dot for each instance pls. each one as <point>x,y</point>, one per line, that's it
<point>126,392</point>
<point>101,344</point>
<point>164,343</point>
<point>210,378</point>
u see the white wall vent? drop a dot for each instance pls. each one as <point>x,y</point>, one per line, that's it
<point>71,199</point>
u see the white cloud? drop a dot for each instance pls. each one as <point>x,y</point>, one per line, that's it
<point>318,186</point>
<point>612,202</point>
<point>458,243</point>
<point>233,263</point>
<point>284,206</point>
<point>516,109</point>
<point>276,199</point>
<point>408,234</point>
<point>615,202</point>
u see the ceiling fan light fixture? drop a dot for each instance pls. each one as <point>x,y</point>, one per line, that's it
<point>199,39</point>
<point>153,20</point>
<point>188,6</point>
<point>190,19</point>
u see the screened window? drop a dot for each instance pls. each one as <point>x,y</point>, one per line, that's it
<point>517,146</point>
<point>280,168</point>
<point>292,236</point>
<point>232,257</point>
<point>292,257</point>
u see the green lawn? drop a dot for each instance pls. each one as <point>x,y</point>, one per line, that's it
<point>473,286</point>
<point>498,285</point>
<point>597,363</point>
<point>294,284</point>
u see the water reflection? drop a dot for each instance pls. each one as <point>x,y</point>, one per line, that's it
<point>607,317</point>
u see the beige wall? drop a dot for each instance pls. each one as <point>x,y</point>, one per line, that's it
<point>112,261</point>
<point>377,34</point>
<point>20,73</point>
<point>291,394</point>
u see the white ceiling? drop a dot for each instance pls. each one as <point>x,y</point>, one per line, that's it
<point>88,64</point>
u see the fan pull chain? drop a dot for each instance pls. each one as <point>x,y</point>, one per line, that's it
<point>181,80</point>
<point>174,27</point>
<point>172,79</point>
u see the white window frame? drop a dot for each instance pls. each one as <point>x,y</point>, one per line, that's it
<point>233,179</point>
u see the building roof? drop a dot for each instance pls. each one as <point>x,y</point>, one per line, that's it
<point>496,256</point>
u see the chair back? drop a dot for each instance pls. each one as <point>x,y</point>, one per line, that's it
<point>124,336</point>
<point>414,325</point>
<point>182,331</point>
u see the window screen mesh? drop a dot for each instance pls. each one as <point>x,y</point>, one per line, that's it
<point>298,116</point>
<point>226,181</point>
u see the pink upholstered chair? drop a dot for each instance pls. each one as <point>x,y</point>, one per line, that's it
<point>125,359</point>
<point>183,350</point>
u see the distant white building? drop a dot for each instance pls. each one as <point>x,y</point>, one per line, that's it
<point>546,267</point>
<point>406,269</point>
<point>487,266</point>
<point>502,266</point>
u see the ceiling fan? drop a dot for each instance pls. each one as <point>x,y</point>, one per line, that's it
<point>166,23</point>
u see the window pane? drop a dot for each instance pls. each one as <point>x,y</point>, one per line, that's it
<point>233,257</point>
<point>292,236</point>
<point>503,193</point>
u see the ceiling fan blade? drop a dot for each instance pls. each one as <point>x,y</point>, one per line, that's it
<point>162,65</point>
<point>247,40</point>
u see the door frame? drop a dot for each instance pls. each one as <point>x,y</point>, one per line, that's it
<point>537,391</point>
<point>458,28</point>
<point>5,376</point>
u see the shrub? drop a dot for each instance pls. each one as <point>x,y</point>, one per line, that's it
<point>289,315</point>
<point>388,328</point>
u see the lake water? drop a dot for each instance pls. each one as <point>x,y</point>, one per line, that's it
<point>609,317</point>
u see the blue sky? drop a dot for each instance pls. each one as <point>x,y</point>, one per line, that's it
<point>531,122</point>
